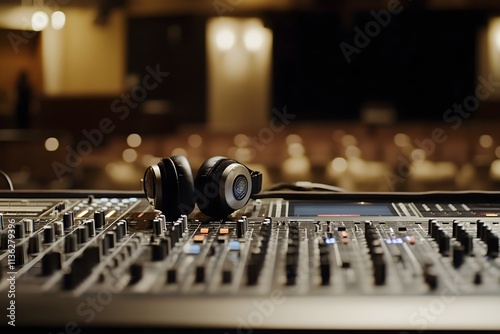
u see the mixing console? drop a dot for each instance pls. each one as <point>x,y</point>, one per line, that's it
<point>301,261</point>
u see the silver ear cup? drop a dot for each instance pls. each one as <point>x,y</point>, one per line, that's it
<point>235,186</point>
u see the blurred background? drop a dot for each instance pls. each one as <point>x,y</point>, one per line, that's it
<point>367,95</point>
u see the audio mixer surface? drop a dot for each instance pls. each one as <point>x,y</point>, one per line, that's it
<point>286,260</point>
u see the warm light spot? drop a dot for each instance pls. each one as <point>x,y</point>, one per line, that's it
<point>418,155</point>
<point>296,150</point>
<point>352,152</point>
<point>244,155</point>
<point>120,172</point>
<point>339,165</point>
<point>296,166</point>
<point>401,140</point>
<point>497,152</point>
<point>195,140</point>
<point>51,144</point>
<point>253,39</point>
<point>485,141</point>
<point>58,20</point>
<point>349,140</point>
<point>225,39</point>
<point>495,170</point>
<point>179,151</point>
<point>240,140</point>
<point>293,138</point>
<point>134,140</point>
<point>39,20</point>
<point>129,155</point>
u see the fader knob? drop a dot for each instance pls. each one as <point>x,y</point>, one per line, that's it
<point>136,272</point>
<point>48,234</point>
<point>50,263</point>
<point>378,266</point>
<point>111,237</point>
<point>479,226</point>
<point>467,241</point>
<point>478,278</point>
<point>99,219</point>
<point>240,228</point>
<point>458,255</point>
<point>19,231</point>
<point>444,244</point>
<point>158,252</point>
<point>20,255</point>
<point>157,227</point>
<point>492,246</point>
<point>82,234</point>
<point>68,220</point>
<point>70,243</point>
<point>199,273</point>
<point>324,269</point>
<point>90,225</point>
<point>4,241</point>
<point>34,244</point>
<point>430,277</point>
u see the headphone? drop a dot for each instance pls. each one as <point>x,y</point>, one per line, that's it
<point>221,186</point>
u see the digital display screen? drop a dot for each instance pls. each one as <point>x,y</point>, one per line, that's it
<point>340,209</point>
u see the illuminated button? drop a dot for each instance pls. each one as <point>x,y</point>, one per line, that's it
<point>193,249</point>
<point>411,240</point>
<point>199,238</point>
<point>234,245</point>
<point>330,240</point>
<point>204,230</point>
<point>224,230</point>
<point>344,234</point>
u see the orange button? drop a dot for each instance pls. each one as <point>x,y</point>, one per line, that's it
<point>412,240</point>
<point>224,230</point>
<point>204,230</point>
<point>198,238</point>
<point>344,234</point>
<point>345,241</point>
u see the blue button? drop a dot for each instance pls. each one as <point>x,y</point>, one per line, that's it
<point>330,240</point>
<point>234,245</point>
<point>193,249</point>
